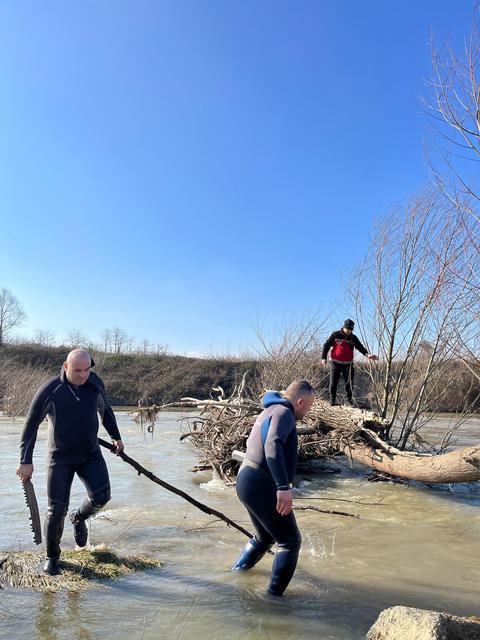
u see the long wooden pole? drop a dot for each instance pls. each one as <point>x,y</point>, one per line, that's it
<point>203,507</point>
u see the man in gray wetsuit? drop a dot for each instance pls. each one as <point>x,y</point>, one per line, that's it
<point>263,482</point>
<point>71,401</point>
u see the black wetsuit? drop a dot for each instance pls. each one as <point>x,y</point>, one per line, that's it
<point>269,466</point>
<point>72,413</point>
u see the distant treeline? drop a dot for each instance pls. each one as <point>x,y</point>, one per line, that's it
<point>154,378</point>
<point>130,377</point>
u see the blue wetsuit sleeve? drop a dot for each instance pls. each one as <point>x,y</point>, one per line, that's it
<point>279,429</point>
<point>35,416</point>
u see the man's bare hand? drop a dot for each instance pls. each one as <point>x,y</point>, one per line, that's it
<point>119,447</point>
<point>371,356</point>
<point>24,472</point>
<point>284,502</point>
<point>324,361</point>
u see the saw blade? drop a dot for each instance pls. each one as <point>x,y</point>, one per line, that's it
<point>31,500</point>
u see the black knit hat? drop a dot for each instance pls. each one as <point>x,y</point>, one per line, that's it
<point>349,324</point>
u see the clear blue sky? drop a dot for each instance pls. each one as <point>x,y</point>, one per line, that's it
<point>179,168</point>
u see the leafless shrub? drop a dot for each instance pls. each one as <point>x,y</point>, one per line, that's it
<point>293,352</point>
<point>18,383</point>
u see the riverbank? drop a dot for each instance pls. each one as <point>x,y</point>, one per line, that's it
<point>161,378</point>
<point>131,377</point>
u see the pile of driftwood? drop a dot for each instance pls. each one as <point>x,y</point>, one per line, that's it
<point>222,426</point>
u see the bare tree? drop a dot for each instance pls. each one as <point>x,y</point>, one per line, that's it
<point>11,313</point>
<point>160,349</point>
<point>119,339</point>
<point>455,108</point>
<point>106,337</point>
<point>44,337</point>
<point>410,303</point>
<point>145,346</point>
<point>76,339</point>
<point>130,344</point>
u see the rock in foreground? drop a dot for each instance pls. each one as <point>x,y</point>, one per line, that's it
<point>407,623</point>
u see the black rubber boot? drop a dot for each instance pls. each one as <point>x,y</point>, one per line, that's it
<point>251,554</point>
<point>54,522</point>
<point>88,509</point>
<point>52,567</point>
<point>282,571</point>
<point>80,530</point>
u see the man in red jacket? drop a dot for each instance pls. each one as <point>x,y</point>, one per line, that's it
<point>342,345</point>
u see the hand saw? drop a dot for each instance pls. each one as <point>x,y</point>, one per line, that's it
<point>31,500</point>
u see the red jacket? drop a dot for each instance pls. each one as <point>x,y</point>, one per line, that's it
<point>342,347</point>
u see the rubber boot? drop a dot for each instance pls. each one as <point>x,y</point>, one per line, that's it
<point>251,554</point>
<point>282,570</point>
<point>88,509</point>
<point>54,522</point>
<point>80,530</point>
<point>52,566</point>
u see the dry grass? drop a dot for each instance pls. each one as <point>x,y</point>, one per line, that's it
<point>80,569</point>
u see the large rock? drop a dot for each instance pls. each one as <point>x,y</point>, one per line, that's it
<point>407,623</point>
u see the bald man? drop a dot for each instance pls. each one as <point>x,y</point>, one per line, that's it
<point>72,402</point>
<point>263,482</point>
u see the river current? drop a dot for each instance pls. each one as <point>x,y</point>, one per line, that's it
<point>412,545</point>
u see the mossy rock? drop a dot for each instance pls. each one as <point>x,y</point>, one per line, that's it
<point>80,569</point>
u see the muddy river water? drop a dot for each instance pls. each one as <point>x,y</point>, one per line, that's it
<point>413,545</point>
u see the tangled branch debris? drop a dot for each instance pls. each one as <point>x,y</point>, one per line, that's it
<point>223,425</point>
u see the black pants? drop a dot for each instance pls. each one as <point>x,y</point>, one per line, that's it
<point>94,475</point>
<point>337,370</point>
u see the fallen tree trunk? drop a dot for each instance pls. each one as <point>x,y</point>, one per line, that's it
<point>350,431</point>
<point>462,465</point>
